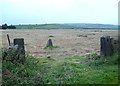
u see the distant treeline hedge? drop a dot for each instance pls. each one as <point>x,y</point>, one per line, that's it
<point>5,26</point>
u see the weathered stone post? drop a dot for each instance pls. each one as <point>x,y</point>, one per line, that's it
<point>106,46</point>
<point>21,49</point>
<point>102,44</point>
<point>49,43</point>
<point>112,46</point>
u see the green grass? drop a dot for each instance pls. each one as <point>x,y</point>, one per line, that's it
<point>43,26</point>
<point>51,47</point>
<point>90,69</point>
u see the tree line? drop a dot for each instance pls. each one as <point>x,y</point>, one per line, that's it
<point>5,26</point>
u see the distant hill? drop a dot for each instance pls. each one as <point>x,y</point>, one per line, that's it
<point>67,26</point>
<point>88,25</point>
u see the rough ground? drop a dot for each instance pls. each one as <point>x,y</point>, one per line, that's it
<point>68,41</point>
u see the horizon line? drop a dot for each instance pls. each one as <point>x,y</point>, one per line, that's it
<point>58,23</point>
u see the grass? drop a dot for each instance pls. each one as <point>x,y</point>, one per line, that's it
<point>43,26</point>
<point>51,36</point>
<point>90,69</point>
<point>51,47</point>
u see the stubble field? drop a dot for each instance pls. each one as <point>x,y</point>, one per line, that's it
<point>67,41</point>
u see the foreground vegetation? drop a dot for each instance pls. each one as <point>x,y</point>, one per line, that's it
<point>88,69</point>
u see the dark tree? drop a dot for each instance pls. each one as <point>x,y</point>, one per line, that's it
<point>4,26</point>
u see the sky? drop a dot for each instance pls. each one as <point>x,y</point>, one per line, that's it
<point>58,11</point>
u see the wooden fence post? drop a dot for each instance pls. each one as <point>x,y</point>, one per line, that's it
<point>21,49</point>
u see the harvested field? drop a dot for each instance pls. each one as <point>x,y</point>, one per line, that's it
<point>68,41</point>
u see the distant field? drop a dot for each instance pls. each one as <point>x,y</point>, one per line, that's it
<point>67,26</point>
<point>44,26</point>
<point>68,41</point>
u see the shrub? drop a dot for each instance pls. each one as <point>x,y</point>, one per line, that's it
<point>12,54</point>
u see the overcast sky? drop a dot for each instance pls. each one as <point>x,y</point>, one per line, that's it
<point>58,11</point>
